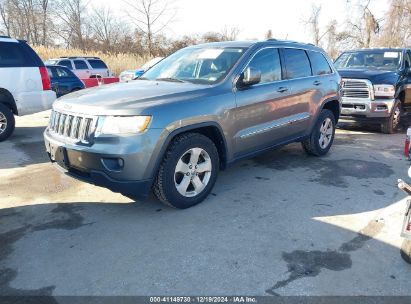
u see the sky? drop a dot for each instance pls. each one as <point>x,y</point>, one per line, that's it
<point>253,17</point>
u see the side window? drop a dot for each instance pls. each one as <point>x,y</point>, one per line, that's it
<point>80,65</point>
<point>268,63</point>
<point>66,63</point>
<point>407,60</point>
<point>296,63</point>
<point>319,64</point>
<point>12,54</point>
<point>50,72</point>
<point>97,64</point>
<point>61,73</point>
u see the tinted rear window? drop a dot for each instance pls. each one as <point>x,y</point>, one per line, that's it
<point>13,54</point>
<point>97,64</point>
<point>297,63</point>
<point>319,64</point>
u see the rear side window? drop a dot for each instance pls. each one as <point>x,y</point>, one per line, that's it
<point>12,54</point>
<point>268,63</point>
<point>50,72</point>
<point>80,65</point>
<point>296,63</point>
<point>319,64</point>
<point>66,63</point>
<point>62,73</point>
<point>97,64</point>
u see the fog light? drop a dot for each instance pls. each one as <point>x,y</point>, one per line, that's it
<point>113,164</point>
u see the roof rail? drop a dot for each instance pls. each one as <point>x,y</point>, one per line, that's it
<point>77,57</point>
<point>271,39</point>
<point>5,36</point>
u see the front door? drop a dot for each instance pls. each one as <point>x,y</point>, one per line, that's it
<point>263,109</point>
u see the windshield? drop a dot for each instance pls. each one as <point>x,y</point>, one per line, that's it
<point>195,65</point>
<point>390,60</point>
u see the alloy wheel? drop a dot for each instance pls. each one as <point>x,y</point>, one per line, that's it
<point>326,133</point>
<point>3,123</point>
<point>192,173</point>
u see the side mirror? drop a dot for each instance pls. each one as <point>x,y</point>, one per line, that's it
<point>250,77</point>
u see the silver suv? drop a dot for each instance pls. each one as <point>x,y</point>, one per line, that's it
<point>83,67</point>
<point>197,111</point>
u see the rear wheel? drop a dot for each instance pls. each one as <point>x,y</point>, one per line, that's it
<point>406,251</point>
<point>7,122</point>
<point>322,136</point>
<point>188,171</point>
<point>391,125</point>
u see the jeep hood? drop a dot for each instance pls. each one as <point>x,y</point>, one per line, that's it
<point>127,98</point>
<point>375,76</point>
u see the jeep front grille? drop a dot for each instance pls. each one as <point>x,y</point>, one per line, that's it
<point>76,128</point>
<point>356,88</point>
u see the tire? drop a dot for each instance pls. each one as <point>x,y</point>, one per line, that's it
<point>7,122</point>
<point>393,122</point>
<point>312,145</point>
<point>406,251</point>
<point>182,151</point>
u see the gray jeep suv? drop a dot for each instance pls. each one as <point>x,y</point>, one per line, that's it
<point>197,111</point>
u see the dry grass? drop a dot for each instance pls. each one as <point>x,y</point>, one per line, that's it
<point>116,63</point>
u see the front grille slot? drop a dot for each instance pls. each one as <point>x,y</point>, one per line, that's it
<point>356,89</point>
<point>77,128</point>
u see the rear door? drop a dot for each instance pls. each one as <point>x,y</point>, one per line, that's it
<point>305,89</point>
<point>65,81</point>
<point>323,81</point>
<point>262,109</point>
<point>81,69</point>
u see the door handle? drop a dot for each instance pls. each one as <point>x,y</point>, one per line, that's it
<point>317,83</point>
<point>282,89</point>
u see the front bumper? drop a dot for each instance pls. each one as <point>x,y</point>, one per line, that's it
<point>363,109</point>
<point>122,164</point>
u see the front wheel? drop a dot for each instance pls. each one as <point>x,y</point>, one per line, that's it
<point>322,136</point>
<point>391,125</point>
<point>7,123</point>
<point>188,171</point>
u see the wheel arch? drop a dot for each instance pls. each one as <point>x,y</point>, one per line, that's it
<point>210,129</point>
<point>334,106</point>
<point>8,99</point>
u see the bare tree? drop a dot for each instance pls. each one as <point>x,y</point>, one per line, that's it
<point>269,34</point>
<point>71,14</point>
<point>365,28</point>
<point>150,17</point>
<point>229,34</point>
<point>397,29</point>
<point>106,29</point>
<point>313,23</point>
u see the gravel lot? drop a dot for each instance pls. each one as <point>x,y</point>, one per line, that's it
<point>281,223</point>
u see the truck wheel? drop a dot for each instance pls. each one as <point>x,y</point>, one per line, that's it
<point>188,171</point>
<point>7,122</point>
<point>391,125</point>
<point>322,136</point>
<point>406,251</point>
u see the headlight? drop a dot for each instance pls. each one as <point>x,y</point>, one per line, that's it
<point>123,124</point>
<point>384,90</point>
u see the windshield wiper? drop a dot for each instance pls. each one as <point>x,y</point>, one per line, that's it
<point>170,79</point>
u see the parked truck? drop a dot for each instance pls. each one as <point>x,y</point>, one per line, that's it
<point>376,86</point>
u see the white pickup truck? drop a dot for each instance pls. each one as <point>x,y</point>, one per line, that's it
<point>24,83</point>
